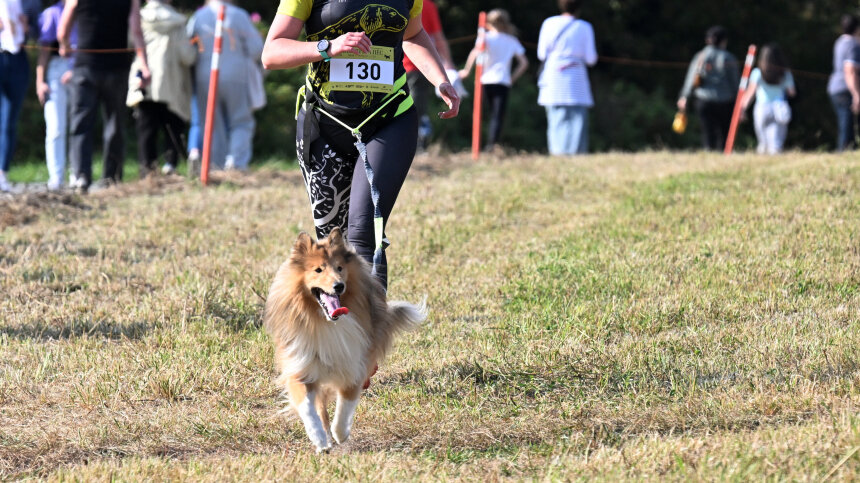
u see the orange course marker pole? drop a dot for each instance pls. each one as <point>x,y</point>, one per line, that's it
<point>736,115</point>
<point>479,71</point>
<point>212,98</point>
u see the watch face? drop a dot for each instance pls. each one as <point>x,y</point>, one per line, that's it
<point>322,45</point>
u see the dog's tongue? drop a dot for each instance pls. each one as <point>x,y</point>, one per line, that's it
<point>332,305</point>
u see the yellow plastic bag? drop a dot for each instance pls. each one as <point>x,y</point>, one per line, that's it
<point>679,125</point>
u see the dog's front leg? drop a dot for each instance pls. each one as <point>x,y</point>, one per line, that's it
<point>303,397</point>
<point>347,400</point>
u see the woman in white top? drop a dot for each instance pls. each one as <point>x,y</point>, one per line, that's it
<point>14,76</point>
<point>771,84</point>
<point>501,48</point>
<point>566,46</point>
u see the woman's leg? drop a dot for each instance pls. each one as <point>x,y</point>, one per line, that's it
<point>148,125</point>
<point>328,176</point>
<point>497,99</point>
<point>390,152</point>
<point>844,120</point>
<point>56,122</point>
<point>759,122</point>
<point>579,123</point>
<point>15,74</point>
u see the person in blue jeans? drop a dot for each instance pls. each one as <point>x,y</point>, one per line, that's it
<point>844,84</point>
<point>566,46</point>
<point>14,76</point>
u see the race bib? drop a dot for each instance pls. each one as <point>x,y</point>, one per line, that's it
<point>366,72</point>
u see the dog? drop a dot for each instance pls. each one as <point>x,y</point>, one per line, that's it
<point>331,325</point>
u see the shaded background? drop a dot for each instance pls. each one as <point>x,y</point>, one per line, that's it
<point>634,103</point>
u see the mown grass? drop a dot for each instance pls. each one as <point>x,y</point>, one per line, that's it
<point>652,316</point>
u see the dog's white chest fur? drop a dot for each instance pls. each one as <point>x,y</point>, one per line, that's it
<point>334,352</point>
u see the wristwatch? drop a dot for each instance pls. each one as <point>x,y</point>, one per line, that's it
<point>323,46</point>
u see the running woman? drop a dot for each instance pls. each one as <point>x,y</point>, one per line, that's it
<point>356,117</point>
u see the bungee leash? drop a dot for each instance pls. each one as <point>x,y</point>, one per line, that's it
<point>378,221</point>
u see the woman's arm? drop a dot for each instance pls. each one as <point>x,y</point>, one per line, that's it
<point>522,66</point>
<point>464,72</point>
<point>283,51</point>
<point>747,97</point>
<point>419,47</point>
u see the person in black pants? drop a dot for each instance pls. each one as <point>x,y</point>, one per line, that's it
<point>100,78</point>
<point>502,47</point>
<point>329,153</point>
<point>712,81</point>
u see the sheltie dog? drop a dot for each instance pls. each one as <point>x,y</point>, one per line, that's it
<point>331,326</point>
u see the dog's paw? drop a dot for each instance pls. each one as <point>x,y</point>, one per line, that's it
<point>340,434</point>
<point>324,450</point>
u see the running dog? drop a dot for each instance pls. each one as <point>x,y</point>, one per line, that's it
<point>331,326</point>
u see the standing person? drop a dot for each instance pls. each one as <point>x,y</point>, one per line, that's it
<point>233,130</point>
<point>420,88</point>
<point>502,47</point>
<point>165,105</point>
<point>844,84</point>
<point>52,77</point>
<point>712,79</point>
<point>566,46</point>
<point>771,84</point>
<point>369,92</point>
<point>100,78</point>
<point>14,76</point>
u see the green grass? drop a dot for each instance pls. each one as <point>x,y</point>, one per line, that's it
<point>654,316</point>
<point>36,171</point>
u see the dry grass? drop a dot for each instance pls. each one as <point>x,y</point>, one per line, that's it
<point>651,316</point>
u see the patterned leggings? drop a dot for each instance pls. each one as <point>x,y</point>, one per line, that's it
<point>337,184</point>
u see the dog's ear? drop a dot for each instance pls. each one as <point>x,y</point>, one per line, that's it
<point>335,238</point>
<point>303,244</point>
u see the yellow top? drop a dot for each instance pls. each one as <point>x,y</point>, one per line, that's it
<point>301,9</point>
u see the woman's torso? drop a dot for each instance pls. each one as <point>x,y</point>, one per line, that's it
<point>358,83</point>
<point>766,93</point>
<point>501,49</point>
<point>570,47</point>
<point>845,49</point>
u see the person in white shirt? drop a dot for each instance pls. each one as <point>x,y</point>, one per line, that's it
<point>14,76</point>
<point>502,47</point>
<point>566,46</point>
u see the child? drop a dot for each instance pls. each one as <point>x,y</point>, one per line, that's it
<point>501,47</point>
<point>772,84</point>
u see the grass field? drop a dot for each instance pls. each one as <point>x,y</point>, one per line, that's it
<point>650,316</point>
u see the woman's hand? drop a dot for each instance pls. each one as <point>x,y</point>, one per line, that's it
<point>43,91</point>
<point>352,42</point>
<point>450,96</point>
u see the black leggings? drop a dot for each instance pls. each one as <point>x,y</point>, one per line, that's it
<point>337,184</point>
<point>497,99</point>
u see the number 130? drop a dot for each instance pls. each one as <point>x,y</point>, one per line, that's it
<point>365,70</point>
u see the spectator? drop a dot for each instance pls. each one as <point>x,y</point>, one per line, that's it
<point>14,76</point>
<point>233,131</point>
<point>165,105</point>
<point>100,77</point>
<point>501,48</point>
<point>844,84</point>
<point>32,9</point>
<point>771,83</point>
<point>566,46</point>
<point>712,79</point>
<point>52,77</point>
<point>419,86</point>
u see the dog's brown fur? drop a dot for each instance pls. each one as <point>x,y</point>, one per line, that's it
<point>302,332</point>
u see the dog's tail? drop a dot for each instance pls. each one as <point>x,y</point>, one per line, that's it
<point>406,316</point>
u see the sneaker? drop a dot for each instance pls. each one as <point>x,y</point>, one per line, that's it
<point>5,186</point>
<point>229,163</point>
<point>55,185</point>
<point>168,169</point>
<point>78,183</point>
